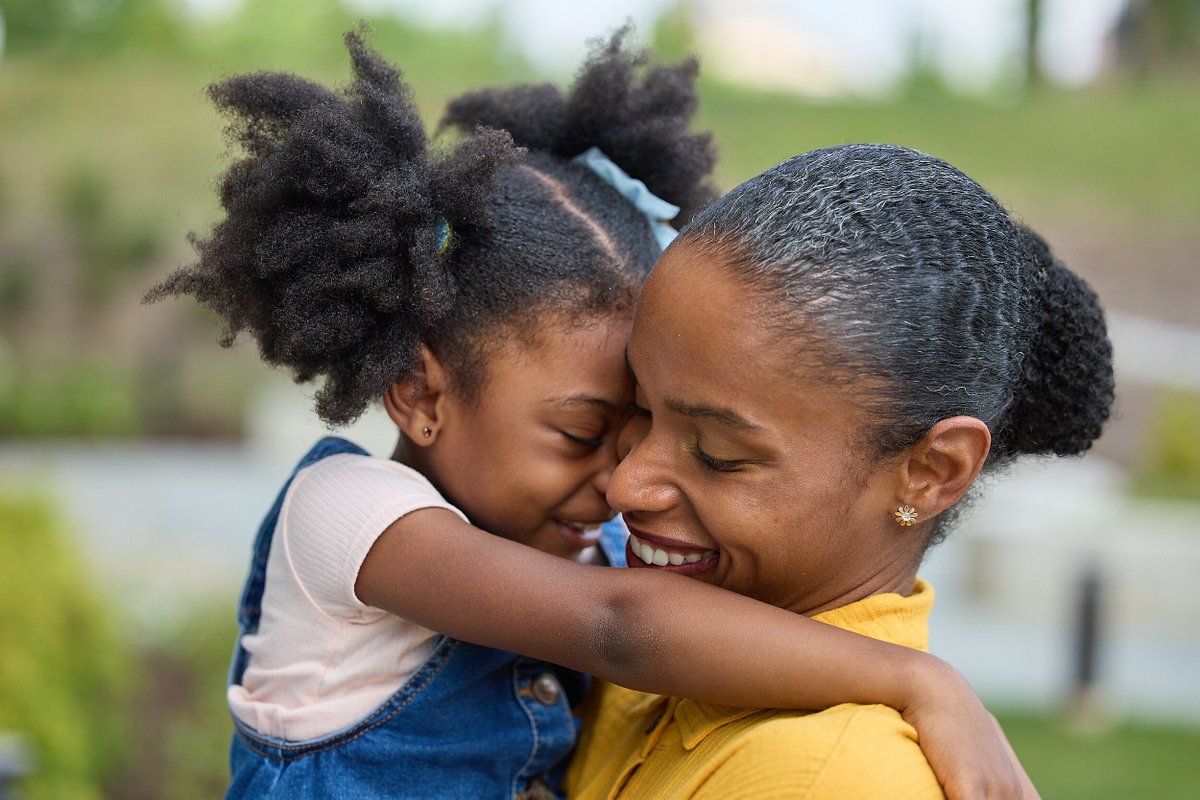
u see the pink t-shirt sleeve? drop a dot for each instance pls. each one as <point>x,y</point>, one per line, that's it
<point>334,512</point>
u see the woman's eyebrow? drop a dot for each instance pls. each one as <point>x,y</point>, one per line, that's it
<point>718,414</point>
<point>722,416</point>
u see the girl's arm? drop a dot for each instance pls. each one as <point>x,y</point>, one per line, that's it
<point>659,632</point>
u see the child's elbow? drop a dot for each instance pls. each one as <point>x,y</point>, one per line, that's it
<point>625,642</point>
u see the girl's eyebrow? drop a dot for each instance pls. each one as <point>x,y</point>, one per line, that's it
<point>585,400</point>
<point>718,414</point>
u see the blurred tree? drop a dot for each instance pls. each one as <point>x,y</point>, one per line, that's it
<point>1157,34</point>
<point>114,249</point>
<point>674,34</point>
<point>1033,24</point>
<point>88,25</point>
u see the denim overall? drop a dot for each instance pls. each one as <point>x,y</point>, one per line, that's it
<point>471,722</point>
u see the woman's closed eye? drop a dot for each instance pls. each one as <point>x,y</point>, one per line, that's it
<point>713,463</point>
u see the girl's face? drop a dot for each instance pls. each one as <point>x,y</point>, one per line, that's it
<point>530,459</point>
<point>743,467</point>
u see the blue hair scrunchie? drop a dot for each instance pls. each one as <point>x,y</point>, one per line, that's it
<point>658,211</point>
<point>441,233</point>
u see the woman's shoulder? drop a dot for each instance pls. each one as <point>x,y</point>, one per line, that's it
<point>845,751</point>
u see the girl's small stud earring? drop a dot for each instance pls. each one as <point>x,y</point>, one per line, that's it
<point>906,516</point>
<point>427,431</point>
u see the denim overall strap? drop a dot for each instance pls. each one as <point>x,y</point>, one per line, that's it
<point>250,607</point>
<point>469,722</point>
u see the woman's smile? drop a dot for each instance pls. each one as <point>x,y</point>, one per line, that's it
<point>645,550</point>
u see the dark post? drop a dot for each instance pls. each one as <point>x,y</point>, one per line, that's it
<point>1033,25</point>
<point>1085,705</point>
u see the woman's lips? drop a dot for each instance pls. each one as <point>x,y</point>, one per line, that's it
<point>641,552</point>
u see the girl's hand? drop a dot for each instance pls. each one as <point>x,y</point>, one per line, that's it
<point>962,741</point>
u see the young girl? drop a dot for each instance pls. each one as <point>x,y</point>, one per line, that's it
<point>486,296</point>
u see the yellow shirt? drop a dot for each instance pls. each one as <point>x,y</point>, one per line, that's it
<point>649,746</point>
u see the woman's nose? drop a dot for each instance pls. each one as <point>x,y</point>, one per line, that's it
<point>639,482</point>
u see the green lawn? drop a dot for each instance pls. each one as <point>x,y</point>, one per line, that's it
<point>1128,760</point>
<point>1126,153</point>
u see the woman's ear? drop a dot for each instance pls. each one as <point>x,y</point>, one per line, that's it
<point>417,404</point>
<point>940,468</point>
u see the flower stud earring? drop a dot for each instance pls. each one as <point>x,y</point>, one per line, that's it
<point>427,431</point>
<point>906,516</point>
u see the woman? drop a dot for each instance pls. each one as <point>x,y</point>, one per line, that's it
<point>826,359</point>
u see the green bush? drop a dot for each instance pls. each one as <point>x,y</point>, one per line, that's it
<point>114,249</point>
<point>195,740</point>
<point>1170,462</point>
<point>65,671</point>
<point>82,398</point>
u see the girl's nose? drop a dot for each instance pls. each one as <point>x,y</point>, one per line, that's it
<point>608,462</point>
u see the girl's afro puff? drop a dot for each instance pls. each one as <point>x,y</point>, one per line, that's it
<point>327,254</point>
<point>331,254</point>
<point>637,114</point>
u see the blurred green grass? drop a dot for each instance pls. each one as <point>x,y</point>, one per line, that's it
<point>1126,760</point>
<point>1123,151</point>
<point>144,124</point>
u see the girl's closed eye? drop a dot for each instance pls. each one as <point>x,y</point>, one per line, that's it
<point>590,442</point>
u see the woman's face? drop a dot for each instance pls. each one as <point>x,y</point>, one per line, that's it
<point>742,467</point>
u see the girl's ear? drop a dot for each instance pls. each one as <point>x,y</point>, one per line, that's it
<point>417,404</point>
<point>940,468</point>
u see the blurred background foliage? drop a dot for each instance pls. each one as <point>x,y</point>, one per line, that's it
<point>108,161</point>
<point>65,673</point>
<point>111,151</point>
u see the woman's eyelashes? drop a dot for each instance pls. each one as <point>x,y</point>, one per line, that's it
<point>713,463</point>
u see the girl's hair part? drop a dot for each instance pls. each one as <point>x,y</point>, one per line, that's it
<point>348,243</point>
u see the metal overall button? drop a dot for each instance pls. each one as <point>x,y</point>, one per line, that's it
<point>546,689</point>
<point>538,790</point>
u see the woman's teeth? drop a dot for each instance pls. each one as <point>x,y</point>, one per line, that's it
<point>660,558</point>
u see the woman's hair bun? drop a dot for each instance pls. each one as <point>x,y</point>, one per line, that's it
<point>1066,390</point>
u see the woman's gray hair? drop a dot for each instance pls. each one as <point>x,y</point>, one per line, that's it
<point>921,286</point>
